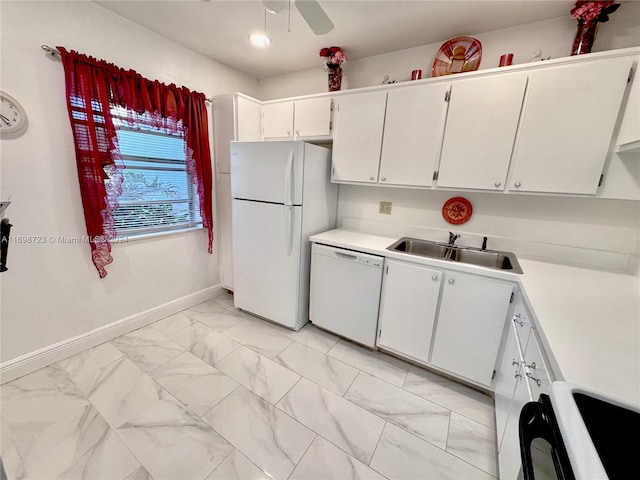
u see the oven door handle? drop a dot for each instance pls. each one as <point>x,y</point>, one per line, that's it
<point>537,420</point>
<point>532,424</point>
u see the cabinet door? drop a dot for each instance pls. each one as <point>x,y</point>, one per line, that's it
<point>249,121</point>
<point>506,379</point>
<point>408,308</point>
<point>277,120</point>
<point>481,128</point>
<point>413,128</point>
<point>509,463</point>
<point>357,137</point>
<point>224,130</point>
<point>567,124</point>
<point>225,243</point>
<point>473,310</point>
<point>312,118</point>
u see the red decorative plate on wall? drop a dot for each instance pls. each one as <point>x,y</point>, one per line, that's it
<point>461,54</point>
<point>457,210</point>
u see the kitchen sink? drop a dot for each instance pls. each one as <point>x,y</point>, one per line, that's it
<point>454,253</point>
<point>423,248</point>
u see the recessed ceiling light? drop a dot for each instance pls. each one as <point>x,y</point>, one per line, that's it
<point>259,39</point>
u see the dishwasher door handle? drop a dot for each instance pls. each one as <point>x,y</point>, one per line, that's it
<point>346,256</point>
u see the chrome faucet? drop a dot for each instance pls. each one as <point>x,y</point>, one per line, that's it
<point>453,237</point>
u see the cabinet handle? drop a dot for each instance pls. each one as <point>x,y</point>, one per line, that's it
<point>498,183</point>
<point>434,277</point>
<point>517,184</point>
<point>288,133</point>
<point>537,380</point>
<point>451,281</point>
<point>532,366</point>
<point>518,320</point>
<point>383,179</point>
<point>371,177</point>
<point>297,133</point>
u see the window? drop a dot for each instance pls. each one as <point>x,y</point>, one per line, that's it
<point>157,195</point>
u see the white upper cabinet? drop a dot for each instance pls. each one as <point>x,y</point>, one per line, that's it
<point>248,120</point>
<point>234,118</point>
<point>224,130</point>
<point>301,119</point>
<point>481,128</point>
<point>357,137</point>
<point>277,120</point>
<point>312,118</point>
<point>568,119</point>
<point>413,127</point>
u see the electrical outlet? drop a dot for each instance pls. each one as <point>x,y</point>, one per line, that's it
<point>385,208</point>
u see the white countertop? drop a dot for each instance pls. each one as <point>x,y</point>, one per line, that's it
<point>588,320</point>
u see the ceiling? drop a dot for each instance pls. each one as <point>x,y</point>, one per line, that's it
<point>219,29</point>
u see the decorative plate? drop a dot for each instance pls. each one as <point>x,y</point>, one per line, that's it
<point>461,54</point>
<point>457,210</point>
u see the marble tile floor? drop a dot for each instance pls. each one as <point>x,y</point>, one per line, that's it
<point>213,393</point>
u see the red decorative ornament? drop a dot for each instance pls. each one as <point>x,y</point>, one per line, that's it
<point>457,210</point>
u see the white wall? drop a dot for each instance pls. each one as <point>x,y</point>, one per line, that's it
<point>554,37</point>
<point>52,291</point>
<point>574,230</point>
<point>589,231</point>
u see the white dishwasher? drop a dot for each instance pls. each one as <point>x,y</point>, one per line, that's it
<point>344,293</point>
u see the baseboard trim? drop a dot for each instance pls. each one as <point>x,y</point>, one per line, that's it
<point>30,362</point>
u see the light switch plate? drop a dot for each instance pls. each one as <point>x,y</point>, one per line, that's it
<point>385,208</point>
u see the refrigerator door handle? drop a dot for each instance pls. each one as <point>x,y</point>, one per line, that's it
<point>287,180</point>
<point>288,229</point>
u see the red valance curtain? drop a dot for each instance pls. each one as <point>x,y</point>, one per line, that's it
<point>92,87</point>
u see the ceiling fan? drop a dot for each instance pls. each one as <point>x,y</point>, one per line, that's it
<point>310,10</point>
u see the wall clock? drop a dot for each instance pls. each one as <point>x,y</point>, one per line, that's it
<point>13,118</point>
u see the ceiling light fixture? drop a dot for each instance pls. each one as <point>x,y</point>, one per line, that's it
<point>261,39</point>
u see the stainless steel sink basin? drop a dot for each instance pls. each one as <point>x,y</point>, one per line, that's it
<point>423,248</point>
<point>455,253</point>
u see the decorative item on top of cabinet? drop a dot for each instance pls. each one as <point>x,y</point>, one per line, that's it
<point>300,119</point>
<point>333,58</point>
<point>589,14</point>
<point>461,54</point>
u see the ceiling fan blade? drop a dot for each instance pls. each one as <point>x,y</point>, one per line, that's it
<point>275,6</point>
<point>315,16</point>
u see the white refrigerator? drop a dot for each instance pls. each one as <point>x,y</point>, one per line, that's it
<point>281,195</point>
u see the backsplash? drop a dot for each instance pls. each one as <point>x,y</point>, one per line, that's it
<point>589,232</point>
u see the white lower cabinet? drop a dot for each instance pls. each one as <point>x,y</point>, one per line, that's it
<point>408,308</point>
<point>506,378</point>
<point>442,318</point>
<point>522,376</point>
<point>509,462</point>
<point>470,324</point>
